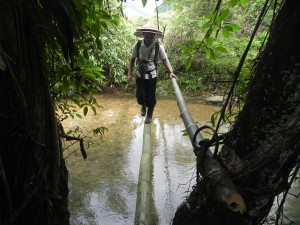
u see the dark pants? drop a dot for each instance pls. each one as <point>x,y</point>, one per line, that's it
<point>146,91</point>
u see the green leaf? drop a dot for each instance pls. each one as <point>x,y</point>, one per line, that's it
<point>85,54</point>
<point>103,24</point>
<point>223,14</point>
<point>212,54</point>
<point>209,41</point>
<point>207,54</point>
<point>76,101</point>
<point>94,110</point>
<point>95,28</point>
<point>226,33</point>
<point>99,44</point>
<point>209,16</point>
<point>183,47</point>
<point>222,49</point>
<point>206,26</point>
<point>188,63</point>
<point>90,76</point>
<point>233,3</point>
<point>84,86</point>
<point>184,132</point>
<point>100,130</point>
<point>203,48</point>
<point>233,26</point>
<point>243,2</point>
<point>228,28</point>
<point>223,116</point>
<point>104,15</point>
<point>213,120</point>
<point>85,110</point>
<point>115,20</point>
<point>218,21</point>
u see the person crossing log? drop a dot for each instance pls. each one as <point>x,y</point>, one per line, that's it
<point>147,53</point>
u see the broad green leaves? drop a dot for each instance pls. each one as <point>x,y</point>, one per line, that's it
<point>209,41</point>
<point>217,23</point>
<point>232,27</point>
<point>87,77</point>
<point>188,63</point>
<point>243,2</point>
<point>228,28</point>
<point>226,33</point>
<point>223,14</point>
<point>99,130</point>
<point>209,38</point>
<point>234,3</point>
<point>221,49</point>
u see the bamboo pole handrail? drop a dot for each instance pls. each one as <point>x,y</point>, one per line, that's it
<point>225,190</point>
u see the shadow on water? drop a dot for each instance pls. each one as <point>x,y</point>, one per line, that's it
<point>103,187</point>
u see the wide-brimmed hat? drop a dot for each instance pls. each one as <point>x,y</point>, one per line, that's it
<point>148,28</point>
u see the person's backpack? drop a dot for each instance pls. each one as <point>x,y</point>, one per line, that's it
<point>138,45</point>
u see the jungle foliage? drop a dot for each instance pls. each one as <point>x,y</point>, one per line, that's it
<point>206,40</point>
<point>204,43</point>
<point>92,64</point>
<point>79,48</point>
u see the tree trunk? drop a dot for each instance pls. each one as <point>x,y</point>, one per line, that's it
<point>263,146</point>
<point>33,178</point>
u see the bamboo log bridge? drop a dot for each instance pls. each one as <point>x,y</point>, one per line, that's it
<point>144,195</point>
<point>225,190</point>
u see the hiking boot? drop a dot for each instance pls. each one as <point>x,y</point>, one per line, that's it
<point>148,119</point>
<point>143,110</point>
<point>149,115</point>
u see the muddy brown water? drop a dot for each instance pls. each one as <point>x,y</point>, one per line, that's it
<point>103,187</point>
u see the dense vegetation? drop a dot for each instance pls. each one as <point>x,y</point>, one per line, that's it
<point>204,44</point>
<point>210,45</point>
<point>206,41</point>
<point>204,56</point>
<point>57,53</point>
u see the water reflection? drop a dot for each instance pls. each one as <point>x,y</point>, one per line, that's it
<point>103,187</point>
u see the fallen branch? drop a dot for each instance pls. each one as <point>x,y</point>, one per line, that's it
<point>62,134</point>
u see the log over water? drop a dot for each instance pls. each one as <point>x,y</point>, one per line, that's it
<point>225,190</point>
<point>144,195</point>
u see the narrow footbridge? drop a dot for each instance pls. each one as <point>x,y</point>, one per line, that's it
<point>224,189</point>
